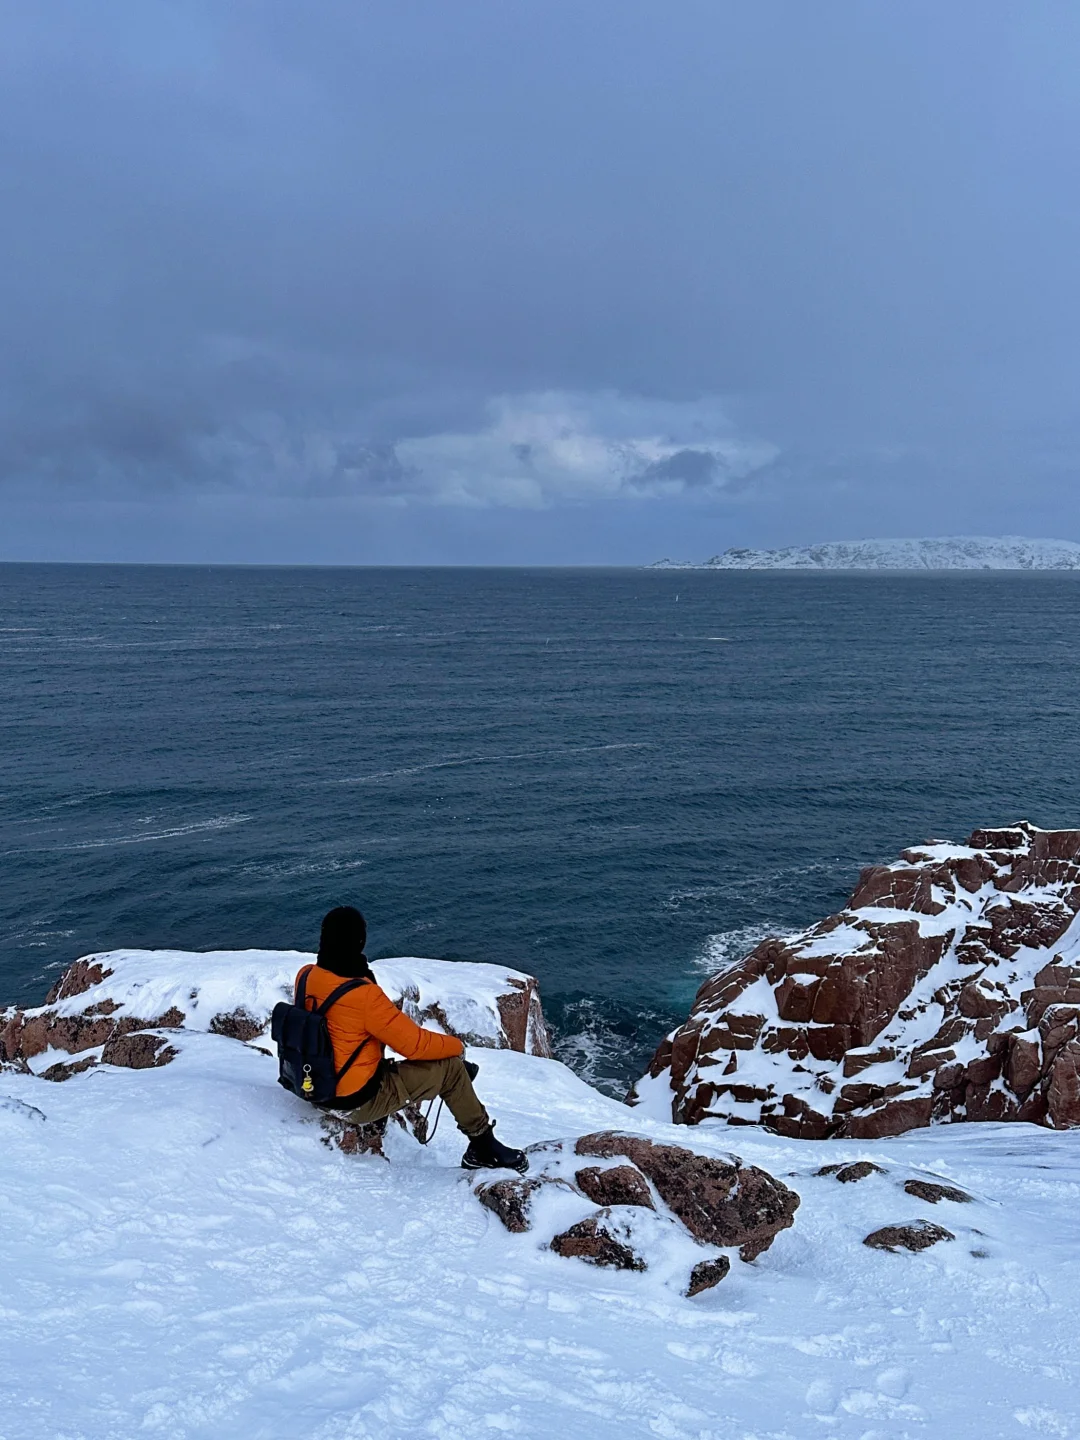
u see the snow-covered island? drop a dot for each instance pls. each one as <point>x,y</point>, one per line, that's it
<point>963,552</point>
<point>187,1250</point>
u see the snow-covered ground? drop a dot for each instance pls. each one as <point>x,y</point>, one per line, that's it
<point>181,1256</point>
<point>959,552</point>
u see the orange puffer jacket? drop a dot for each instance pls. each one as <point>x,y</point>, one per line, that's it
<point>368,1017</point>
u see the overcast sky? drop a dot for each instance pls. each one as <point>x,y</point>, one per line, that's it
<point>534,280</point>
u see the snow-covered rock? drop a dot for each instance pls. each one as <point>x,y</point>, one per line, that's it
<point>948,989</point>
<point>961,552</point>
<point>103,998</point>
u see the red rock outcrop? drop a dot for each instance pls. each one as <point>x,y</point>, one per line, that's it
<point>706,1274</point>
<point>645,1190</point>
<point>919,1235</point>
<point>521,1023</point>
<point>947,989</point>
<point>617,1185</point>
<point>596,1240</point>
<point>721,1202</point>
<point>509,1200</point>
<point>238,1024</point>
<point>138,1050</point>
<point>25,1035</point>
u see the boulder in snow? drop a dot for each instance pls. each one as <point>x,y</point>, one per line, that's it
<point>706,1274</point>
<point>931,1192</point>
<point>919,1235</point>
<point>849,1174</point>
<point>721,1202</point>
<point>655,1202</point>
<point>140,1050</point>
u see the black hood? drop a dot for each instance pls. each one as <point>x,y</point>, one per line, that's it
<point>341,943</point>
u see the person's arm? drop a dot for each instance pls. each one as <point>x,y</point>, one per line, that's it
<point>387,1023</point>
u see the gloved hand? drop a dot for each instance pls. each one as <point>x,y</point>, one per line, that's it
<point>472,1068</point>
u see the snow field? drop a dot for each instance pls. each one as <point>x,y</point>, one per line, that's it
<point>183,1257</point>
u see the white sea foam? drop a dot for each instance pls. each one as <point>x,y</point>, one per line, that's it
<point>591,1048</point>
<point>216,822</point>
<point>487,760</point>
<point>287,869</point>
<point>727,947</point>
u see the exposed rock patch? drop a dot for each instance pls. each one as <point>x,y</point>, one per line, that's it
<point>353,1139</point>
<point>706,1274</point>
<point>64,1070</point>
<point>523,1018</point>
<point>26,1035</point>
<point>932,1193</point>
<point>138,1050</point>
<point>509,1199</point>
<point>702,1200</point>
<point>947,989</point>
<point>919,1235</point>
<point>83,975</point>
<point>619,1185</point>
<point>720,1202</point>
<point>593,1240</point>
<point>849,1174</point>
<point>238,1024</point>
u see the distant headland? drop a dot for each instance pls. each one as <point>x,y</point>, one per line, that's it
<point>961,552</point>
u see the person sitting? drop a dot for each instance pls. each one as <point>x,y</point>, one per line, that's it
<point>364,1021</point>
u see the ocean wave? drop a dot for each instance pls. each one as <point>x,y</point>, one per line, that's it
<point>35,937</point>
<point>289,869</point>
<point>488,760</point>
<point>195,827</point>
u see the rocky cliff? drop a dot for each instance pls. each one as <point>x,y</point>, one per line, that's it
<point>947,989</point>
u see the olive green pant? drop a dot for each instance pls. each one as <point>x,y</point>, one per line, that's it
<point>412,1080</point>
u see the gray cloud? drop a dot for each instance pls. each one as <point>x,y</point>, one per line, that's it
<point>809,266</point>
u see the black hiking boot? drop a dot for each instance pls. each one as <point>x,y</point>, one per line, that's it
<point>486,1153</point>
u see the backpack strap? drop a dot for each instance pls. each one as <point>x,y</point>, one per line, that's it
<point>351,1060</point>
<point>332,999</point>
<point>301,987</point>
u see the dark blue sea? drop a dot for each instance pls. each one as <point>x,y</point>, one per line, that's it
<point>617,780</point>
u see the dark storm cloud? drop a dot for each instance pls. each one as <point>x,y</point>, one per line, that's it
<point>803,261</point>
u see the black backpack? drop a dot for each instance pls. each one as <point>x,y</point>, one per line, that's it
<point>305,1054</point>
